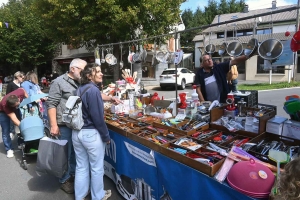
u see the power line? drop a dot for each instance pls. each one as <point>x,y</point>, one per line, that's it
<point>204,26</point>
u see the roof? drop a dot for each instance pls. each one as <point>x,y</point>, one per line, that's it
<point>198,38</point>
<point>245,39</point>
<point>248,23</point>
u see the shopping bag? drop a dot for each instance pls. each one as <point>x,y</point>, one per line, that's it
<point>52,157</point>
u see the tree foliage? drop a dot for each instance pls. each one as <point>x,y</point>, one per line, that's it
<point>24,42</point>
<point>204,17</point>
<point>79,22</point>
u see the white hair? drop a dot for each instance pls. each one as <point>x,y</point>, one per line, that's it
<point>76,62</point>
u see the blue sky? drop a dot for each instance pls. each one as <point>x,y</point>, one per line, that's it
<point>253,4</point>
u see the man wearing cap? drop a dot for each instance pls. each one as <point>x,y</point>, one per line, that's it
<point>211,78</point>
<point>8,105</point>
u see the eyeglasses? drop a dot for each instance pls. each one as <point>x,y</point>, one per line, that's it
<point>207,60</point>
<point>78,68</point>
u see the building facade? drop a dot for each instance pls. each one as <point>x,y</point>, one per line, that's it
<point>274,26</point>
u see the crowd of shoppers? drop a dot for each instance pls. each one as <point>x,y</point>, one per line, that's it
<point>86,148</point>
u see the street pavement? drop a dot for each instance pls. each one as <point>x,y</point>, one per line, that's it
<point>20,184</point>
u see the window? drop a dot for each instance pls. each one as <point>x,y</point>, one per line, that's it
<point>261,70</point>
<point>263,31</point>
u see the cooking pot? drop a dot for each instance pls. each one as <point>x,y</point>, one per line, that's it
<point>110,59</point>
<point>251,47</point>
<point>143,55</point>
<point>160,56</point>
<point>234,48</point>
<point>210,48</point>
<point>270,49</point>
<point>136,58</point>
<point>222,48</point>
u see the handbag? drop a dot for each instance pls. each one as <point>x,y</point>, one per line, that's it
<point>52,157</point>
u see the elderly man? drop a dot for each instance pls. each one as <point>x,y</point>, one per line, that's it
<point>60,90</point>
<point>8,106</point>
<point>211,78</point>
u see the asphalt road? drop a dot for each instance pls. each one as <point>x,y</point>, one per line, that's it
<point>20,184</point>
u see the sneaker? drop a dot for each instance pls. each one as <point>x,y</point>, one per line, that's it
<point>12,136</point>
<point>68,186</point>
<point>10,153</point>
<point>107,194</point>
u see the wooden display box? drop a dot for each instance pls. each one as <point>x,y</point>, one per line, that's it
<point>271,137</point>
<point>117,129</point>
<point>209,170</point>
<point>142,138</point>
<point>217,113</point>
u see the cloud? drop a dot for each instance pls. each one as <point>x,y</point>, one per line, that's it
<point>259,4</point>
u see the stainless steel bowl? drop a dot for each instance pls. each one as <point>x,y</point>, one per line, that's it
<point>251,47</point>
<point>270,49</point>
<point>222,48</point>
<point>210,48</point>
<point>234,48</point>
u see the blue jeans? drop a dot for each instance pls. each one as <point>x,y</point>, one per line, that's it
<point>66,134</point>
<point>233,85</point>
<point>90,150</point>
<point>5,125</point>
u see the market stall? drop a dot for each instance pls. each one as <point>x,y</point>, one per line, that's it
<point>185,149</point>
<point>158,154</point>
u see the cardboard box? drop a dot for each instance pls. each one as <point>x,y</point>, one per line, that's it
<point>291,129</point>
<point>275,124</point>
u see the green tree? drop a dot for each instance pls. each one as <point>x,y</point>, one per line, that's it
<point>24,42</point>
<point>210,11</point>
<point>187,18</point>
<point>223,7</point>
<point>204,17</point>
<point>84,22</point>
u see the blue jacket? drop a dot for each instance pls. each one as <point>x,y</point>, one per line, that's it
<point>31,89</point>
<point>93,110</point>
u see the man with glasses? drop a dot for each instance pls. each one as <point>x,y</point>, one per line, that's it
<point>8,106</point>
<point>60,90</point>
<point>211,78</point>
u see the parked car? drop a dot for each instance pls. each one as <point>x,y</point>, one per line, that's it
<point>168,78</point>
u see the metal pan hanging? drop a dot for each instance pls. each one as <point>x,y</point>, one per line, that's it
<point>270,49</point>
<point>234,48</point>
<point>222,48</point>
<point>210,48</point>
<point>252,45</point>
